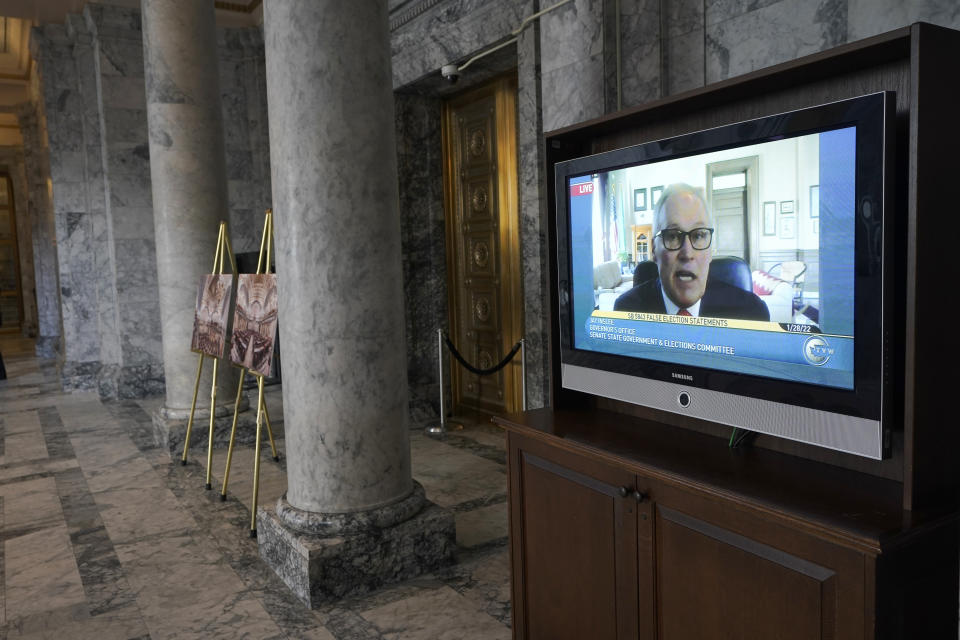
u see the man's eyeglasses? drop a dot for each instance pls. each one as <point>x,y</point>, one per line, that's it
<point>672,239</point>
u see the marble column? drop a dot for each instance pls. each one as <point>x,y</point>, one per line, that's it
<point>188,176</point>
<point>351,501</point>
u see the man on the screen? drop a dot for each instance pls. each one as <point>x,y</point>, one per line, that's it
<point>683,234</point>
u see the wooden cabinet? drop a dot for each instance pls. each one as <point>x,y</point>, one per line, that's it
<point>581,578</point>
<point>617,532</point>
<point>723,573</point>
<point>781,539</point>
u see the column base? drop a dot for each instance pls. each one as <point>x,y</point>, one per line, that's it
<point>367,553</point>
<point>170,429</point>
<point>112,381</point>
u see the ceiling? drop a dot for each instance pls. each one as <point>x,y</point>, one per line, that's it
<point>18,16</point>
<point>229,14</point>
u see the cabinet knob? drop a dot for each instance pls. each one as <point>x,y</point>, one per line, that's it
<point>639,497</point>
<point>623,491</point>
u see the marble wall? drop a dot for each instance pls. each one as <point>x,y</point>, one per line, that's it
<point>580,61</point>
<point>74,228</point>
<point>419,162</point>
<point>428,34</point>
<point>119,185</point>
<point>639,64</point>
<point>571,64</point>
<point>39,211</point>
<point>694,43</point>
<point>534,257</point>
<point>91,80</point>
<point>243,90</point>
<point>560,69</point>
<point>92,85</point>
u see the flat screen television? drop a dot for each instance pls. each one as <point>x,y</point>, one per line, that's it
<point>774,236</point>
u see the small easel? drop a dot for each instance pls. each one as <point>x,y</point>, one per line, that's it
<point>223,247</point>
<point>266,245</point>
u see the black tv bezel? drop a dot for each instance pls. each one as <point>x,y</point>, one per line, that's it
<point>873,116</point>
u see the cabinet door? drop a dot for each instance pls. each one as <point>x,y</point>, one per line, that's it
<point>573,525</point>
<point>723,572</point>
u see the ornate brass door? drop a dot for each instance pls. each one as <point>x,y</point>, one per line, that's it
<point>11,304</point>
<point>483,262</point>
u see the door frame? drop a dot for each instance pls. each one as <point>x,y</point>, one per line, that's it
<point>751,165</point>
<point>504,89</point>
<point>6,182</point>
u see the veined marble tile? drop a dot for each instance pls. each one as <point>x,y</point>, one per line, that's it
<point>273,477</point>
<point>571,34</point>
<point>442,614</point>
<point>867,18</point>
<point>121,472</point>
<point>772,34</point>
<point>23,438</point>
<point>20,421</point>
<point>720,10</point>
<point>683,55</point>
<point>136,513</point>
<point>55,436</point>
<point>41,573</point>
<point>484,580</point>
<point>640,47</point>
<point>490,436</point>
<point>573,94</point>
<point>683,16</point>
<point>31,504</point>
<point>462,28</point>
<point>83,413</point>
<point>179,574</point>
<point>482,526</point>
<point>124,92</point>
<point>10,470</point>
<point>451,476</point>
<point>74,623</point>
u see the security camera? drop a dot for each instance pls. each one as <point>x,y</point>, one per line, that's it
<point>451,72</point>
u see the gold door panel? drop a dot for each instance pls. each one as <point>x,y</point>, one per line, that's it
<point>480,190</point>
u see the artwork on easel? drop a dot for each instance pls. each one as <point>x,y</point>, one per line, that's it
<point>212,314</point>
<point>255,322</point>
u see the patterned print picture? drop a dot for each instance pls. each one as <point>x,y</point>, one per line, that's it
<point>255,322</point>
<point>212,314</point>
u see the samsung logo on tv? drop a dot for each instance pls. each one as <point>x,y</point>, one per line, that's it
<point>682,376</point>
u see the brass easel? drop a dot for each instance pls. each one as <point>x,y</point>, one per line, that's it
<point>266,245</point>
<point>223,247</point>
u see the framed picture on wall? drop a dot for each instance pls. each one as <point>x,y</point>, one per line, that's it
<point>788,227</point>
<point>640,199</point>
<point>814,201</point>
<point>770,218</point>
<point>786,207</point>
<point>655,195</point>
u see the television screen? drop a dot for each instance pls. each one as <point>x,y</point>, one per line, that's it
<point>790,313</point>
<point>737,274</point>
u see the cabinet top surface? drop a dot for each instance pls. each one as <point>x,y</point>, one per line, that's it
<point>863,509</point>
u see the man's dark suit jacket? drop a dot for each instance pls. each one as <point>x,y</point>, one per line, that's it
<point>720,300</point>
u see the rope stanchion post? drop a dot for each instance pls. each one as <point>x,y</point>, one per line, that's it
<point>523,373</point>
<point>439,430</point>
<point>444,426</point>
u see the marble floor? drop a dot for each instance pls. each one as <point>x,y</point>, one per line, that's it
<point>103,536</point>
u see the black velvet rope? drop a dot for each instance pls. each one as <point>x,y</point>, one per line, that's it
<point>473,369</point>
